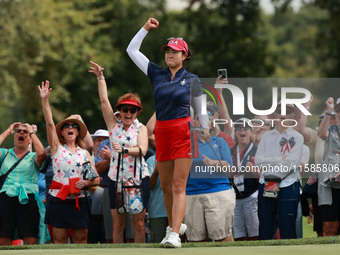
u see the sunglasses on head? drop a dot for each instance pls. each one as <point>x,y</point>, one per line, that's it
<point>239,128</point>
<point>132,110</point>
<point>75,126</point>
<point>22,130</point>
<point>288,110</point>
<point>172,38</point>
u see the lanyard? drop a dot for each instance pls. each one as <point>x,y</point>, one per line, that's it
<point>238,160</point>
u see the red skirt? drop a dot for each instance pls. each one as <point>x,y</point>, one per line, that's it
<point>172,139</point>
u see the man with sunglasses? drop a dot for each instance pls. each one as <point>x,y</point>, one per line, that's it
<point>20,205</point>
<point>279,156</point>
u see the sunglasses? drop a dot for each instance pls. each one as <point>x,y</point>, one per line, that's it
<point>262,122</point>
<point>172,38</point>
<point>22,130</point>
<point>239,128</point>
<point>75,126</point>
<point>288,111</point>
<point>132,110</point>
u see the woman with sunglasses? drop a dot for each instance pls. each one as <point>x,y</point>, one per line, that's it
<point>127,137</point>
<point>246,222</point>
<point>66,206</point>
<point>172,89</point>
<point>20,205</point>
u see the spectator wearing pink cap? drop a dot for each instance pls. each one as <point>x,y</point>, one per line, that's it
<point>172,87</point>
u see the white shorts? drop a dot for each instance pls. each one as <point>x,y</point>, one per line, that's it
<point>209,215</point>
<point>246,221</point>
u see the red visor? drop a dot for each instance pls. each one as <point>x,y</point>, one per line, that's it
<point>130,102</point>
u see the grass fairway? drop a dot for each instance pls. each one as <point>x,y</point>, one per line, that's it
<point>310,246</point>
<point>258,250</point>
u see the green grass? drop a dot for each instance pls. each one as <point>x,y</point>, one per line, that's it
<point>308,245</point>
<point>307,229</point>
<point>286,242</point>
<point>258,250</point>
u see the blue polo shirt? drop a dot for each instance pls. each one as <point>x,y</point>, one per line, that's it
<point>201,180</point>
<point>172,98</point>
<point>106,180</point>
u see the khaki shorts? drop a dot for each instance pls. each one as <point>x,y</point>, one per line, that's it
<point>210,215</point>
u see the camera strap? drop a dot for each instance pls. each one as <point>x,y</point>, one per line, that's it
<point>238,193</point>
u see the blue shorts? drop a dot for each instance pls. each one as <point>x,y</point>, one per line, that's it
<point>64,214</point>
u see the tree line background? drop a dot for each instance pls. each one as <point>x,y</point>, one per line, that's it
<point>55,40</point>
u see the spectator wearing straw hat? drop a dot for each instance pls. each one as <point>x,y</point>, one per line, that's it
<point>66,204</point>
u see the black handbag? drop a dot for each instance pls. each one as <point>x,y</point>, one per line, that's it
<point>88,172</point>
<point>4,176</point>
<point>129,193</point>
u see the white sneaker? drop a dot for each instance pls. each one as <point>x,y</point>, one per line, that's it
<point>168,230</point>
<point>173,241</point>
<point>167,233</point>
<point>182,229</point>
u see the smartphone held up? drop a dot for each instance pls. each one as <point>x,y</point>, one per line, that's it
<point>222,73</point>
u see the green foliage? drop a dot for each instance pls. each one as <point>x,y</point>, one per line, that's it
<point>328,38</point>
<point>291,36</point>
<point>225,34</point>
<point>55,39</point>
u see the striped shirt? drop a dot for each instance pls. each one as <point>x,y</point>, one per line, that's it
<point>26,172</point>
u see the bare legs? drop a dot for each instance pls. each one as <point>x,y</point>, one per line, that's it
<point>8,240</point>
<point>119,226</point>
<point>174,175</point>
<point>330,228</point>
<point>60,235</point>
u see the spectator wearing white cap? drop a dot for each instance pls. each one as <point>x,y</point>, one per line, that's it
<point>329,192</point>
<point>98,136</point>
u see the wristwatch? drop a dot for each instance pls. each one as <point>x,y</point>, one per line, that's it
<point>126,151</point>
